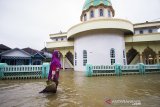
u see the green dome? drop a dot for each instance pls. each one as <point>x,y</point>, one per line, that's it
<point>89,3</point>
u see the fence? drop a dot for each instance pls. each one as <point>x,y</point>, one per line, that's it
<point>119,70</point>
<point>23,71</point>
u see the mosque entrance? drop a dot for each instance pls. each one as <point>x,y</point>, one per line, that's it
<point>131,54</point>
<point>69,56</point>
<point>149,56</point>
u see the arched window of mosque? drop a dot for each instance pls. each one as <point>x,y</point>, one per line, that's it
<point>112,61</point>
<point>84,57</point>
<point>101,12</point>
<point>124,54</point>
<point>112,55</point>
<point>92,14</point>
<point>85,17</point>
<point>75,55</point>
<point>109,13</point>
<point>75,58</point>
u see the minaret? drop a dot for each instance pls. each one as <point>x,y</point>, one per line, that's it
<point>94,9</point>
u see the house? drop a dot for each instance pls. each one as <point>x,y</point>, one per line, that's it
<point>26,56</point>
<point>4,48</point>
<point>16,56</point>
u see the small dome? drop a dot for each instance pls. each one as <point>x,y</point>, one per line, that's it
<point>89,3</point>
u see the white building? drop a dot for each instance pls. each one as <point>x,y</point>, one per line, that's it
<point>100,39</point>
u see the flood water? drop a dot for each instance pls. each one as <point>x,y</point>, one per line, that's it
<point>76,90</point>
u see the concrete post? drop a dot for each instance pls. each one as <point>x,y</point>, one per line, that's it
<point>142,68</point>
<point>141,59</point>
<point>45,70</point>
<point>89,70</point>
<point>63,60</point>
<point>118,69</point>
<point>157,56</point>
<point>2,65</point>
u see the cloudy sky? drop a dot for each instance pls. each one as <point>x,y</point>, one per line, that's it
<point>28,23</point>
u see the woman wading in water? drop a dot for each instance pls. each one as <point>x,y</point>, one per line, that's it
<point>53,76</point>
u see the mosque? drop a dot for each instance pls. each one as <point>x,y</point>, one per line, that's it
<point>101,39</point>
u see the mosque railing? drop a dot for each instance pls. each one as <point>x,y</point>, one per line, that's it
<point>23,71</point>
<point>117,69</point>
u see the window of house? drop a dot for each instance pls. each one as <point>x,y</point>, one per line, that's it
<point>141,31</point>
<point>92,14</point>
<point>85,17</point>
<point>101,12</point>
<point>150,31</point>
<point>112,56</point>
<point>112,53</point>
<point>84,57</point>
<point>109,13</point>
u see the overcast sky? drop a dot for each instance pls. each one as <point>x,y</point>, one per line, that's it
<point>28,23</point>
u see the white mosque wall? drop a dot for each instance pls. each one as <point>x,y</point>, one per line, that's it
<point>98,45</point>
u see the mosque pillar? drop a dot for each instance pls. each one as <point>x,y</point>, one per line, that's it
<point>157,57</point>
<point>141,59</point>
<point>63,60</point>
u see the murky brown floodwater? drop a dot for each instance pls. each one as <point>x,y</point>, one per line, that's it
<point>76,90</point>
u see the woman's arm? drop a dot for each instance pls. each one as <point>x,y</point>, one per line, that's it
<point>53,71</point>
